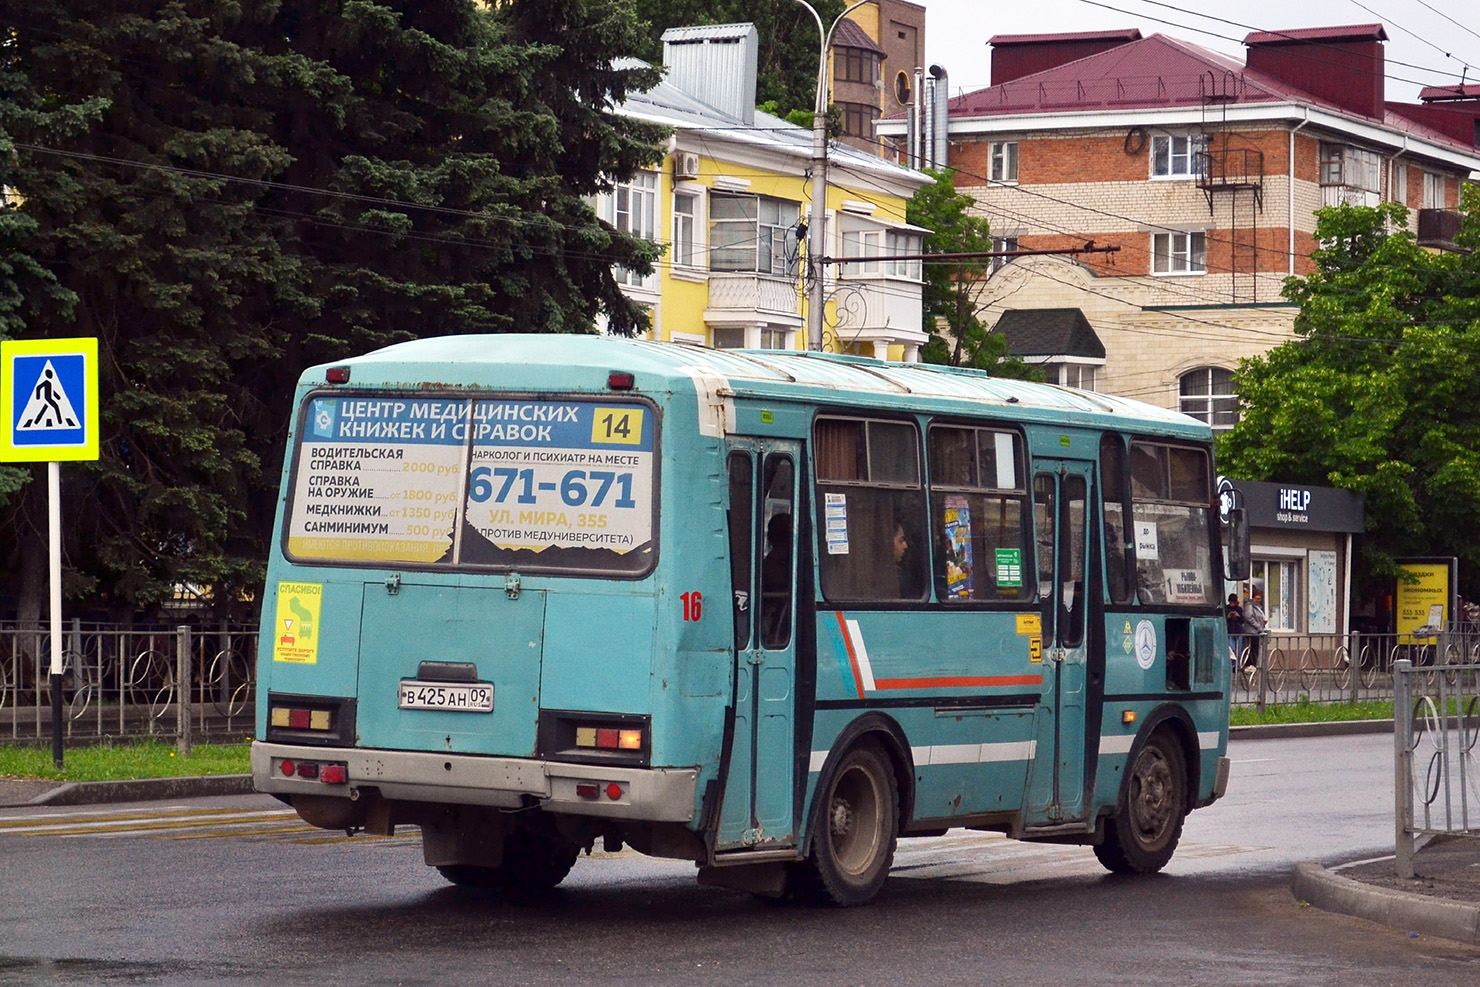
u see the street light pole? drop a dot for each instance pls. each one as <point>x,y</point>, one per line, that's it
<point>816,226</point>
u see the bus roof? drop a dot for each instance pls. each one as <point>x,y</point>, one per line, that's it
<point>581,362</point>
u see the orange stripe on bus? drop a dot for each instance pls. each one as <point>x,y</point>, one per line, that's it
<point>852,658</point>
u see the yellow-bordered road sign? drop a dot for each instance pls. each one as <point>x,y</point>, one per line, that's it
<point>49,396</point>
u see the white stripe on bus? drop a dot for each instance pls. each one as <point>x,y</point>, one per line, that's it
<point>865,670</point>
<point>1018,750</point>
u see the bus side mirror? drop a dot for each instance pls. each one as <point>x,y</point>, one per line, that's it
<point>1238,545</point>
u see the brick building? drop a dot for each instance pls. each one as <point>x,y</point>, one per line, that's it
<point>1205,172</point>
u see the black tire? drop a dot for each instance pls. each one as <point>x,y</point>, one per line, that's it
<point>1147,824</point>
<point>857,827</point>
<point>536,858</point>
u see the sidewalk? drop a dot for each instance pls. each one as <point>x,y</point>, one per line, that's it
<point>15,793</point>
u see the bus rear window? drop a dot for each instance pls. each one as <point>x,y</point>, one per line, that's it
<point>557,484</point>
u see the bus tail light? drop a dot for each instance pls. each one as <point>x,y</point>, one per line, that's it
<point>609,738</point>
<point>620,380</point>
<point>337,375</point>
<point>584,737</point>
<point>329,774</point>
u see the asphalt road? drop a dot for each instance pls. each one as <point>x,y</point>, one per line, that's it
<point>234,890</point>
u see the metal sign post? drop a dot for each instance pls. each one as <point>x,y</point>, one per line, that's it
<point>49,395</point>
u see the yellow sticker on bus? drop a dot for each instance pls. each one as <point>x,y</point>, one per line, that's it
<point>296,630</point>
<point>617,426</point>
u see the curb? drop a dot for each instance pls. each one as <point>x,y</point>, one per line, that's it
<point>1394,909</point>
<point>143,790</point>
<point>1327,728</point>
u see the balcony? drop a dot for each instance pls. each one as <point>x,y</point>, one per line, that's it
<point>878,309</point>
<point>1349,195</point>
<point>742,298</point>
<point>1437,229</point>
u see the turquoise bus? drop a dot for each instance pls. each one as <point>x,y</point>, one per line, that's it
<point>765,611</point>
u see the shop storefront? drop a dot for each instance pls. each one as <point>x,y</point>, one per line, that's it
<point>1301,541</point>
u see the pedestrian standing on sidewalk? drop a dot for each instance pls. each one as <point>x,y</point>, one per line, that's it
<point>1234,613</point>
<point>1255,623</point>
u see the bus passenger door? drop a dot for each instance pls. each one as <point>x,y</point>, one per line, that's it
<point>757,806</point>
<point>1067,585</point>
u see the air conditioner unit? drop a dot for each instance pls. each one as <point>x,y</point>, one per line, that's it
<point>685,165</point>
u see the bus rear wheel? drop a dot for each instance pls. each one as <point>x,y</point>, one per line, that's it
<point>1143,834</point>
<point>536,858</point>
<point>857,829</point>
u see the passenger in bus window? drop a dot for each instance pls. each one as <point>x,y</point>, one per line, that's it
<point>907,562</point>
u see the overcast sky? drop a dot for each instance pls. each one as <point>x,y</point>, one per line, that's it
<point>1436,39</point>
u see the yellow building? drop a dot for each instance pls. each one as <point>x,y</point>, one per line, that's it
<point>730,200</point>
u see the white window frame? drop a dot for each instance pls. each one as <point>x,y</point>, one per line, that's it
<point>1350,166</point>
<point>868,239</point>
<point>1400,183</point>
<point>1001,243</point>
<point>632,208</point>
<point>765,237</point>
<point>1174,156</point>
<point>1179,254</point>
<point>1433,190</point>
<point>688,228</point>
<point>1207,404</point>
<point>1004,162</point>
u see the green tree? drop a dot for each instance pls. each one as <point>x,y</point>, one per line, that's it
<point>786,73</point>
<point>246,189</point>
<point>958,337</point>
<point>1381,392</point>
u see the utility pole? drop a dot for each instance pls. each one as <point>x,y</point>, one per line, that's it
<point>817,222</point>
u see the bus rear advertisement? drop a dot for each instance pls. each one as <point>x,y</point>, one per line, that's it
<point>765,611</point>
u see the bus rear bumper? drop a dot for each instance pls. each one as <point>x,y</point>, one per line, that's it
<point>649,794</point>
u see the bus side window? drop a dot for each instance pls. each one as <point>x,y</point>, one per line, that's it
<point>1119,561</point>
<point>741,522</point>
<point>777,566</point>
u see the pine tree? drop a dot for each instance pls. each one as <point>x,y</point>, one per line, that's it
<point>235,191</point>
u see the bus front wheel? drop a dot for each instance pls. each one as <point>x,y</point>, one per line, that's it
<point>1147,824</point>
<point>856,831</point>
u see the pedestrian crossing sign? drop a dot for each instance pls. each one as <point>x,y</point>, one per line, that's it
<point>49,394</point>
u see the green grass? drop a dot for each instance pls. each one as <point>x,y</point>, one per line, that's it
<point>124,762</point>
<point>1248,716</point>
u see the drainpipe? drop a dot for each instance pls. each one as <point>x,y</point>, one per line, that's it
<point>940,108</point>
<point>1290,214</point>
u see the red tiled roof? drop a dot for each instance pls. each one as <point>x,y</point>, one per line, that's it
<point>1125,34</point>
<point>1155,71</point>
<point>1439,94</point>
<point>1305,35</point>
<point>1161,72</point>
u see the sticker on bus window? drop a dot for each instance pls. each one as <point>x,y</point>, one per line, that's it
<point>558,475</point>
<point>377,479</point>
<point>1147,548</point>
<point>1010,567</point>
<point>957,524</point>
<point>1185,586</point>
<point>835,518</point>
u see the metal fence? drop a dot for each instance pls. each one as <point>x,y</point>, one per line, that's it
<point>1333,668</point>
<point>125,682</point>
<point>1436,721</point>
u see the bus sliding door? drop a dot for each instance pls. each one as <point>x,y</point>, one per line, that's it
<point>1068,584</point>
<point>757,809</point>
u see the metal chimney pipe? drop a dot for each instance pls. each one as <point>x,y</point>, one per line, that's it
<point>940,104</point>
